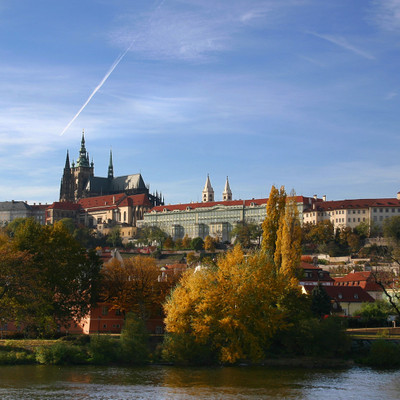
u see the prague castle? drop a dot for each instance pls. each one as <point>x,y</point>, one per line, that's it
<point>78,181</point>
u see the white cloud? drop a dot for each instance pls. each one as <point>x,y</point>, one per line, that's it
<point>386,14</point>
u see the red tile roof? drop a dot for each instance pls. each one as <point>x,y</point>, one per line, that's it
<point>64,205</point>
<point>354,204</point>
<point>114,201</point>
<point>346,294</point>
<point>364,279</point>
<point>247,203</point>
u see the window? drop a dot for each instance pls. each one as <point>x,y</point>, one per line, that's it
<point>340,296</point>
<point>355,295</point>
<point>117,312</point>
<point>104,310</point>
<point>105,326</point>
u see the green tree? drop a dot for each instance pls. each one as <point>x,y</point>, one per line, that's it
<point>197,244</point>
<point>66,276</point>
<point>152,234</point>
<point>320,301</point>
<point>114,236</point>
<point>247,234</point>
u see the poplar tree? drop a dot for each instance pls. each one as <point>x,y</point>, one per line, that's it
<point>288,244</point>
<point>270,226</point>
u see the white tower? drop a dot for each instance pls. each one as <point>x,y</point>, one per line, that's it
<point>227,193</point>
<point>208,191</point>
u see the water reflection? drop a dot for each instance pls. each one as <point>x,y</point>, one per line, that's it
<point>87,383</point>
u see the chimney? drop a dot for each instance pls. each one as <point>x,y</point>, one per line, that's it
<point>315,197</point>
<point>324,197</point>
<point>398,195</point>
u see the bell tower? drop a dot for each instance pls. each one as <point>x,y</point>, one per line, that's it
<point>208,191</point>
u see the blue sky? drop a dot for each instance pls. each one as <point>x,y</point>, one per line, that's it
<point>301,93</point>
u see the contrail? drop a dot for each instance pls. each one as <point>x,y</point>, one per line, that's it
<point>116,62</point>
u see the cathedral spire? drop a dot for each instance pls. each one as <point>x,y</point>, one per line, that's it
<point>67,160</point>
<point>227,193</point>
<point>208,191</point>
<point>83,160</point>
<point>110,167</point>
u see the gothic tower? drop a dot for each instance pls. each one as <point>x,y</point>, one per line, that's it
<point>208,191</point>
<point>227,193</point>
<point>66,189</point>
<point>82,171</point>
<point>110,168</point>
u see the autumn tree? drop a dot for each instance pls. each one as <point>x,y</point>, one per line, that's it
<point>136,285</point>
<point>228,312</point>
<point>186,241</point>
<point>169,243</point>
<point>209,243</point>
<point>275,209</point>
<point>288,243</point>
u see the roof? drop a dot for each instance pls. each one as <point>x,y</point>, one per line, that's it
<point>210,204</point>
<point>64,205</point>
<point>114,200</point>
<point>363,279</point>
<point>346,294</point>
<point>13,206</point>
<point>127,182</point>
<point>354,204</point>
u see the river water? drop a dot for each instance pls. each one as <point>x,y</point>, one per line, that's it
<point>83,383</point>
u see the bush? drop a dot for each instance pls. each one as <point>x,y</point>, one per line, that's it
<point>183,349</point>
<point>16,357</point>
<point>60,354</point>
<point>383,354</point>
<point>103,350</point>
<point>134,341</point>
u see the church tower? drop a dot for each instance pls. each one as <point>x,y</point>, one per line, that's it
<point>208,191</point>
<point>82,171</point>
<point>110,168</point>
<point>66,189</point>
<point>227,193</point>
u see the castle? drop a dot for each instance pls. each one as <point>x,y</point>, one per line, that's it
<point>78,181</point>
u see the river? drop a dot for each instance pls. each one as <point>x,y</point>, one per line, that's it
<point>158,382</point>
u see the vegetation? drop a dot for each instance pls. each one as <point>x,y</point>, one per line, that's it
<point>46,277</point>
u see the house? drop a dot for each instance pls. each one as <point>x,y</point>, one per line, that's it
<point>346,300</point>
<point>363,279</point>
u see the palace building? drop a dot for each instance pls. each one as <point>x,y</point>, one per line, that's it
<point>78,181</point>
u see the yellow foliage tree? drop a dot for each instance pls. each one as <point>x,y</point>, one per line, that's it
<point>209,243</point>
<point>233,311</point>
<point>275,209</point>
<point>288,243</point>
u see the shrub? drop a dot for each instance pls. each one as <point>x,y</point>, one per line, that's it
<point>134,341</point>
<point>383,354</point>
<point>60,354</point>
<point>103,350</point>
<point>16,357</point>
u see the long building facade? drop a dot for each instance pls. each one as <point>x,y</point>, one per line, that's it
<point>211,218</point>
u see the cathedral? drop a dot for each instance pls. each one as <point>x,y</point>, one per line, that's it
<point>78,181</point>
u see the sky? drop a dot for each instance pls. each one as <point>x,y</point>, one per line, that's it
<point>300,93</point>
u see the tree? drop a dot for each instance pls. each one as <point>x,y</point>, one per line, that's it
<point>136,285</point>
<point>169,243</point>
<point>288,243</point>
<point>231,311</point>
<point>320,301</point>
<point>275,208</point>
<point>209,243</point>
<point>186,241</point>
<point>66,277</point>
<point>246,234</point>
<point>150,234</point>
<point>114,236</point>
<point>197,244</point>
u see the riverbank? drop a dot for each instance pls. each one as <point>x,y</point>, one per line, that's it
<point>106,350</point>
